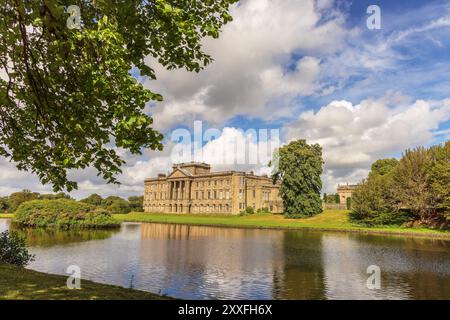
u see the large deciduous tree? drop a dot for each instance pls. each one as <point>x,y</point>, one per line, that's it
<point>439,177</point>
<point>411,185</point>
<point>67,96</point>
<point>17,198</point>
<point>299,170</point>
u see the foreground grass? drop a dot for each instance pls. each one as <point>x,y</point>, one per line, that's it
<point>329,220</point>
<point>18,283</point>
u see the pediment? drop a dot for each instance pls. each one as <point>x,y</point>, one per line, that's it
<point>178,173</point>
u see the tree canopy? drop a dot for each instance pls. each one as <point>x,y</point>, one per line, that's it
<point>412,190</point>
<point>67,96</point>
<point>94,199</point>
<point>299,170</point>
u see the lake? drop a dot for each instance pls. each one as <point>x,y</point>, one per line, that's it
<point>192,262</point>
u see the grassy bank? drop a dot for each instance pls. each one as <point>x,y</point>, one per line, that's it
<point>19,283</point>
<point>329,220</point>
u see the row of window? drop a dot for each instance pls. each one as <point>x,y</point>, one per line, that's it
<point>199,195</point>
<point>207,195</point>
<point>194,209</point>
<point>215,183</point>
<point>212,195</point>
<point>202,183</point>
<point>158,186</point>
<point>198,184</point>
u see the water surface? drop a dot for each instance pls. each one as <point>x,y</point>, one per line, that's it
<point>194,262</point>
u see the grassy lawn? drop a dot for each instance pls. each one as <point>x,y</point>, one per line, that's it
<point>331,220</point>
<point>19,283</point>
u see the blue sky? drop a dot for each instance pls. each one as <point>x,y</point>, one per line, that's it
<point>313,70</point>
<point>421,70</point>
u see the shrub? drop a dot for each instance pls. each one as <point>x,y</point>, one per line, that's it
<point>63,214</point>
<point>383,218</point>
<point>337,199</point>
<point>349,203</point>
<point>263,210</point>
<point>248,210</point>
<point>136,203</point>
<point>118,206</point>
<point>13,250</point>
<point>109,201</point>
<point>4,204</point>
<point>94,199</point>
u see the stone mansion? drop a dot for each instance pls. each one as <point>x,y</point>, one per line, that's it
<point>193,188</point>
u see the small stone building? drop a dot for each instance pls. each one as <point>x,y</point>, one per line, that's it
<point>345,191</point>
<point>193,188</point>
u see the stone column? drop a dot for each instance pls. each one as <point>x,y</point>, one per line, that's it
<point>188,189</point>
<point>182,185</point>
<point>176,190</point>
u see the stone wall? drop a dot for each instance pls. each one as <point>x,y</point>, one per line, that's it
<point>334,206</point>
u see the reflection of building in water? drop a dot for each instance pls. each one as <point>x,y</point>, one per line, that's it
<point>217,262</point>
<point>193,188</point>
<point>186,232</point>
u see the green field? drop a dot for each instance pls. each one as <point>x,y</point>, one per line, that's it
<point>18,283</point>
<point>329,220</point>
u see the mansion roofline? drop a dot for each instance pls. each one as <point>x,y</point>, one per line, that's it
<point>186,166</point>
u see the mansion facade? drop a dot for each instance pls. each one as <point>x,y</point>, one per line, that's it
<point>193,188</point>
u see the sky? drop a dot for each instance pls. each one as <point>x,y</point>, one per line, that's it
<point>308,69</point>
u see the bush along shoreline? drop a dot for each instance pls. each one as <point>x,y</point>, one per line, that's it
<point>63,214</point>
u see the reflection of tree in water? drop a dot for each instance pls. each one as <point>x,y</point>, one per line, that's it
<point>420,265</point>
<point>404,242</point>
<point>51,237</point>
<point>302,276</point>
<point>429,286</point>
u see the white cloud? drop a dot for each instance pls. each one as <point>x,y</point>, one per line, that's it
<point>252,66</point>
<point>354,136</point>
